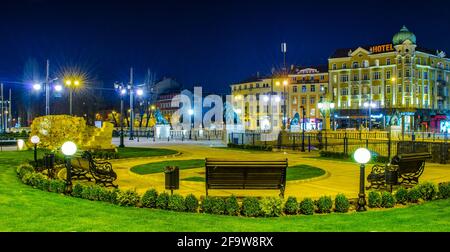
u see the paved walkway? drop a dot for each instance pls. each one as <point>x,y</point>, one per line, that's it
<point>342,177</point>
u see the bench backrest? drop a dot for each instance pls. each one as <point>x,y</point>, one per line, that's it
<point>410,163</point>
<point>238,174</point>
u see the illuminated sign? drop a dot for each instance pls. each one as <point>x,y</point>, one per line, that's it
<point>382,48</point>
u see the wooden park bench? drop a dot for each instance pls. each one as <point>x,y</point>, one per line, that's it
<point>404,169</point>
<point>100,171</point>
<point>240,174</point>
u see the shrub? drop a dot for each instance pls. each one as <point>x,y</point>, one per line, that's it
<point>413,195</point>
<point>374,199</point>
<point>149,198</point>
<point>77,190</point>
<point>291,205</point>
<point>341,203</point>
<point>444,190</point>
<point>23,169</point>
<point>128,198</point>
<point>232,206</point>
<point>428,191</point>
<point>217,205</point>
<point>206,205</point>
<point>324,204</point>
<point>307,206</point>
<point>401,196</point>
<point>176,203</point>
<point>271,207</point>
<point>57,185</point>
<point>162,201</point>
<point>251,207</point>
<point>108,195</point>
<point>387,200</point>
<point>191,203</point>
<point>92,192</point>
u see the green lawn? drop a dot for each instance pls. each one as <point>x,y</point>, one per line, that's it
<point>131,152</point>
<point>26,209</point>
<point>297,172</point>
<point>159,166</point>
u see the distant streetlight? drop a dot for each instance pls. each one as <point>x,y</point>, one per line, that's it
<point>37,86</point>
<point>35,140</point>
<point>71,87</point>
<point>140,92</point>
<point>122,90</point>
<point>369,105</point>
<point>361,156</point>
<point>58,87</point>
<point>191,111</point>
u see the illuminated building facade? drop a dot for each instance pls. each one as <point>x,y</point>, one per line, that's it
<point>399,83</point>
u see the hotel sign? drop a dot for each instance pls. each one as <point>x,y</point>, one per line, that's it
<point>382,48</point>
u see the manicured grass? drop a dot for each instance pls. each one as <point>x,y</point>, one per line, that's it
<point>131,152</point>
<point>159,166</point>
<point>299,172</point>
<point>26,209</point>
<point>194,179</point>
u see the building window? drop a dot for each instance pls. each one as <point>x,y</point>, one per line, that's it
<point>335,78</point>
<point>344,78</point>
<point>425,75</point>
<point>425,90</point>
<point>257,85</point>
<point>312,100</point>
<point>303,100</point>
<point>313,88</point>
<point>388,89</point>
<point>322,77</point>
<point>365,76</point>
<point>322,88</point>
<point>355,91</point>
<point>376,75</point>
<point>334,67</point>
<point>294,89</point>
<point>388,74</point>
<point>355,77</point>
<point>344,91</point>
<point>407,88</point>
<point>304,89</point>
<point>399,61</point>
<point>388,61</point>
<point>407,73</point>
<point>355,64</point>
<point>344,66</point>
<point>399,73</point>
<point>400,88</point>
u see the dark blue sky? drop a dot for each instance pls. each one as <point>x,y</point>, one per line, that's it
<point>208,43</point>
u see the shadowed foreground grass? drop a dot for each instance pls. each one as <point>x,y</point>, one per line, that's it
<point>26,209</point>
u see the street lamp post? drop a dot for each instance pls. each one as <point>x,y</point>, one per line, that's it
<point>130,88</point>
<point>68,149</point>
<point>362,156</point>
<point>122,91</point>
<point>285,83</point>
<point>71,84</point>
<point>369,105</point>
<point>303,128</point>
<point>35,140</point>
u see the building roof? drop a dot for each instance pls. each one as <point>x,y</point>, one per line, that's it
<point>403,35</point>
<point>344,52</point>
<point>305,69</point>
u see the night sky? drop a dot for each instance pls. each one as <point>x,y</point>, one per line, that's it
<point>208,43</point>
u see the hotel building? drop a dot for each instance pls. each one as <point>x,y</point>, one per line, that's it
<point>400,82</point>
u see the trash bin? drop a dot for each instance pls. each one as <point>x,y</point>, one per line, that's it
<point>172,177</point>
<point>391,176</point>
<point>49,161</point>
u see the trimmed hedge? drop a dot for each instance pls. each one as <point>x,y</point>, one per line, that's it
<point>324,204</point>
<point>251,207</point>
<point>341,203</point>
<point>162,201</point>
<point>291,206</point>
<point>57,186</point>
<point>149,198</point>
<point>428,190</point>
<point>387,200</point>
<point>128,198</point>
<point>271,207</point>
<point>413,195</point>
<point>176,203</point>
<point>401,196</point>
<point>444,190</point>
<point>232,206</point>
<point>374,199</point>
<point>307,206</point>
<point>191,203</point>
